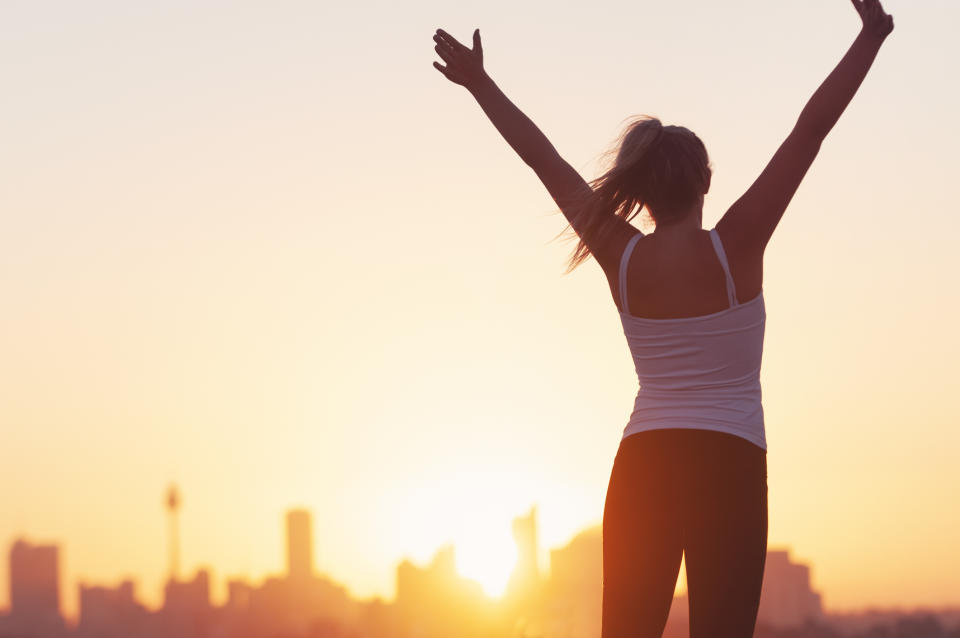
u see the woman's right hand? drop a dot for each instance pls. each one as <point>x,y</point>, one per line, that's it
<point>876,23</point>
<point>464,66</point>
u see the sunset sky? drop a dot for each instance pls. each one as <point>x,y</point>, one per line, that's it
<point>266,251</point>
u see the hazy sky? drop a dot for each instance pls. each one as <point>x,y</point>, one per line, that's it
<point>266,251</point>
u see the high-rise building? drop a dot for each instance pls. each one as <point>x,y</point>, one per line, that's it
<point>35,587</point>
<point>787,599</point>
<point>187,612</point>
<point>188,595</point>
<point>110,612</point>
<point>435,602</point>
<point>299,544</point>
<point>526,575</point>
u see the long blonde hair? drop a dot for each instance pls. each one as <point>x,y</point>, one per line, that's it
<point>662,168</point>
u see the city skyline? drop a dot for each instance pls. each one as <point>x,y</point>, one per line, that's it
<point>431,600</point>
<point>299,596</point>
<point>299,563</point>
<point>298,558</point>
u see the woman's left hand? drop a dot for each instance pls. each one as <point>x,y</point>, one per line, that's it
<point>463,66</point>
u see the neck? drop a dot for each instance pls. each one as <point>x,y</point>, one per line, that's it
<point>687,225</point>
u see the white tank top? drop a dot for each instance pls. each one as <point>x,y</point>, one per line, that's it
<point>698,372</point>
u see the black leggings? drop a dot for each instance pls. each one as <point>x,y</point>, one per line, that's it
<point>674,492</point>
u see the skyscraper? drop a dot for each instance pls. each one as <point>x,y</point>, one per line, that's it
<point>526,575</point>
<point>787,600</point>
<point>35,586</point>
<point>110,612</point>
<point>299,544</point>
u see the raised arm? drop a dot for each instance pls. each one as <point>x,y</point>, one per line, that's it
<point>751,220</point>
<point>464,66</point>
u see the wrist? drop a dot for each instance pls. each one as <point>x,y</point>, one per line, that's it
<point>871,37</point>
<point>480,83</point>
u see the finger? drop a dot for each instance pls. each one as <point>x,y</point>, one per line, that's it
<point>858,5</point>
<point>442,69</point>
<point>447,73</point>
<point>444,53</point>
<point>441,42</point>
<point>439,67</point>
<point>452,41</point>
<point>449,39</point>
<point>477,46</point>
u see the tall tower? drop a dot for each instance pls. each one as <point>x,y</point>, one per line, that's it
<point>172,503</point>
<point>299,544</point>
<point>35,584</point>
<point>526,574</point>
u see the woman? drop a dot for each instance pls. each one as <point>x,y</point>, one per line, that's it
<point>689,476</point>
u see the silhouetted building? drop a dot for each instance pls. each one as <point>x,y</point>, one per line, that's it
<point>525,579</point>
<point>299,603</point>
<point>787,599</point>
<point>574,590</point>
<point>376,618</point>
<point>299,544</point>
<point>111,612</point>
<point>238,595</point>
<point>186,606</point>
<point>172,503</point>
<point>189,595</point>
<point>34,590</point>
<point>437,602</point>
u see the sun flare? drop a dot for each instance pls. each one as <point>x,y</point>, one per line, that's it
<point>487,558</point>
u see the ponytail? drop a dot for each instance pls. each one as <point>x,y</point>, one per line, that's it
<point>662,168</point>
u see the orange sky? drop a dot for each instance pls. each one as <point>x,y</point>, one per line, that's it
<point>270,254</point>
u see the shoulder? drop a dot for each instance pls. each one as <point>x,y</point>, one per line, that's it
<point>610,251</point>
<point>744,258</point>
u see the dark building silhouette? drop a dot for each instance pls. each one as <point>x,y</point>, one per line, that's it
<point>34,590</point>
<point>299,544</point>
<point>574,593</point>
<point>172,501</point>
<point>239,592</point>
<point>188,595</point>
<point>298,603</point>
<point>187,611</point>
<point>787,599</point>
<point>107,612</point>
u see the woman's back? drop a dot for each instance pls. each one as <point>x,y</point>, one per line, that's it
<point>700,370</point>
<point>678,274</point>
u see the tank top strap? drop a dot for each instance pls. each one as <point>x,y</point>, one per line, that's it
<point>624,260</point>
<point>722,256</point>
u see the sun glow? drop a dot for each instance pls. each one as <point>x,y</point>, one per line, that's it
<point>488,557</point>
